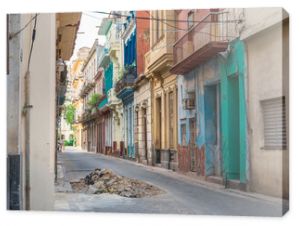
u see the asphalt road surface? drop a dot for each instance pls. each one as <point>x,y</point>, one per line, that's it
<point>182,195</point>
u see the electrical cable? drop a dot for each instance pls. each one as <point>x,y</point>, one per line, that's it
<point>171,20</point>
<point>32,41</point>
<point>94,17</point>
<point>173,26</point>
<point>26,25</point>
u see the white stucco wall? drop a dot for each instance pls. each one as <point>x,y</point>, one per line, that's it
<point>268,168</point>
<point>42,114</point>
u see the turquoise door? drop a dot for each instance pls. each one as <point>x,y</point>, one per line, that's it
<point>233,128</point>
<point>212,111</point>
<point>234,114</point>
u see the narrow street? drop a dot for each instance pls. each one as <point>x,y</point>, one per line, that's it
<point>182,195</point>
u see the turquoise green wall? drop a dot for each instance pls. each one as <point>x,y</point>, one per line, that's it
<point>108,83</point>
<point>234,143</point>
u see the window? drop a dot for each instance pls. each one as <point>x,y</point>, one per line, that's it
<point>161,23</point>
<point>190,19</point>
<point>274,118</point>
<point>157,25</point>
<point>183,134</point>
<point>189,100</point>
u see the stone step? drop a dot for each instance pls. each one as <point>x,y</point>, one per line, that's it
<point>215,179</point>
<point>236,184</point>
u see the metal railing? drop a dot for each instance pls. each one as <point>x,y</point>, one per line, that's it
<point>210,29</point>
<point>127,80</point>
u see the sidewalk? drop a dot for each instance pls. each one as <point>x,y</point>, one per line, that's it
<point>61,184</point>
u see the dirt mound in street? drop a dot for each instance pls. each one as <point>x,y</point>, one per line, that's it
<point>106,181</point>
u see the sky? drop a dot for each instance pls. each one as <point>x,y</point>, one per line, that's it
<point>88,25</point>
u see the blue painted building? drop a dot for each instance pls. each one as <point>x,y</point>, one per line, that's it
<point>124,87</point>
<point>211,102</point>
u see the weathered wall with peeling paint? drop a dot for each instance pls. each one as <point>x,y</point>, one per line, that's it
<point>196,80</point>
<point>215,136</point>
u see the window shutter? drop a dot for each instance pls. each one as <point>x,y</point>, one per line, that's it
<point>274,117</point>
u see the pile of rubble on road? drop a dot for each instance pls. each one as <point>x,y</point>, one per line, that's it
<point>106,181</point>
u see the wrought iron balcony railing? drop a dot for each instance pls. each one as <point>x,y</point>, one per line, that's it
<point>201,42</point>
<point>128,79</point>
<point>86,88</point>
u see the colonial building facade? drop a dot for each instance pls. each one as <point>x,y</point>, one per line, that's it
<point>182,90</point>
<point>111,62</point>
<point>124,86</point>
<point>90,99</point>
<point>163,90</point>
<point>209,61</point>
<point>142,91</point>
<point>77,81</point>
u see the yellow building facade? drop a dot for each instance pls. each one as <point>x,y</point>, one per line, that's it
<point>77,81</point>
<point>163,89</point>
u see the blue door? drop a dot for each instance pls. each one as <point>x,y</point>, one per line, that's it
<point>213,152</point>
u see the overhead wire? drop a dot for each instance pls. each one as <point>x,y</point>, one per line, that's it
<point>171,20</point>
<point>25,26</point>
<point>177,29</point>
<point>181,29</point>
<point>165,21</point>
<point>91,16</point>
<point>32,41</point>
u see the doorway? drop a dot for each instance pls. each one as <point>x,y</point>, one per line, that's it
<point>212,129</point>
<point>233,128</point>
<point>144,113</point>
<point>158,143</point>
<point>158,122</point>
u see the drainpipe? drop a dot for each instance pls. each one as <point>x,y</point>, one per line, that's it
<point>26,114</point>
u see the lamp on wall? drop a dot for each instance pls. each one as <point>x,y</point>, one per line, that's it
<point>60,65</point>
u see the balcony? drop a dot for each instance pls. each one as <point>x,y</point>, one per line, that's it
<point>87,87</point>
<point>125,85</point>
<point>113,48</point>
<point>61,87</point>
<point>200,43</point>
<point>104,58</point>
<point>100,72</point>
<point>67,27</point>
<point>86,116</point>
<point>105,26</point>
